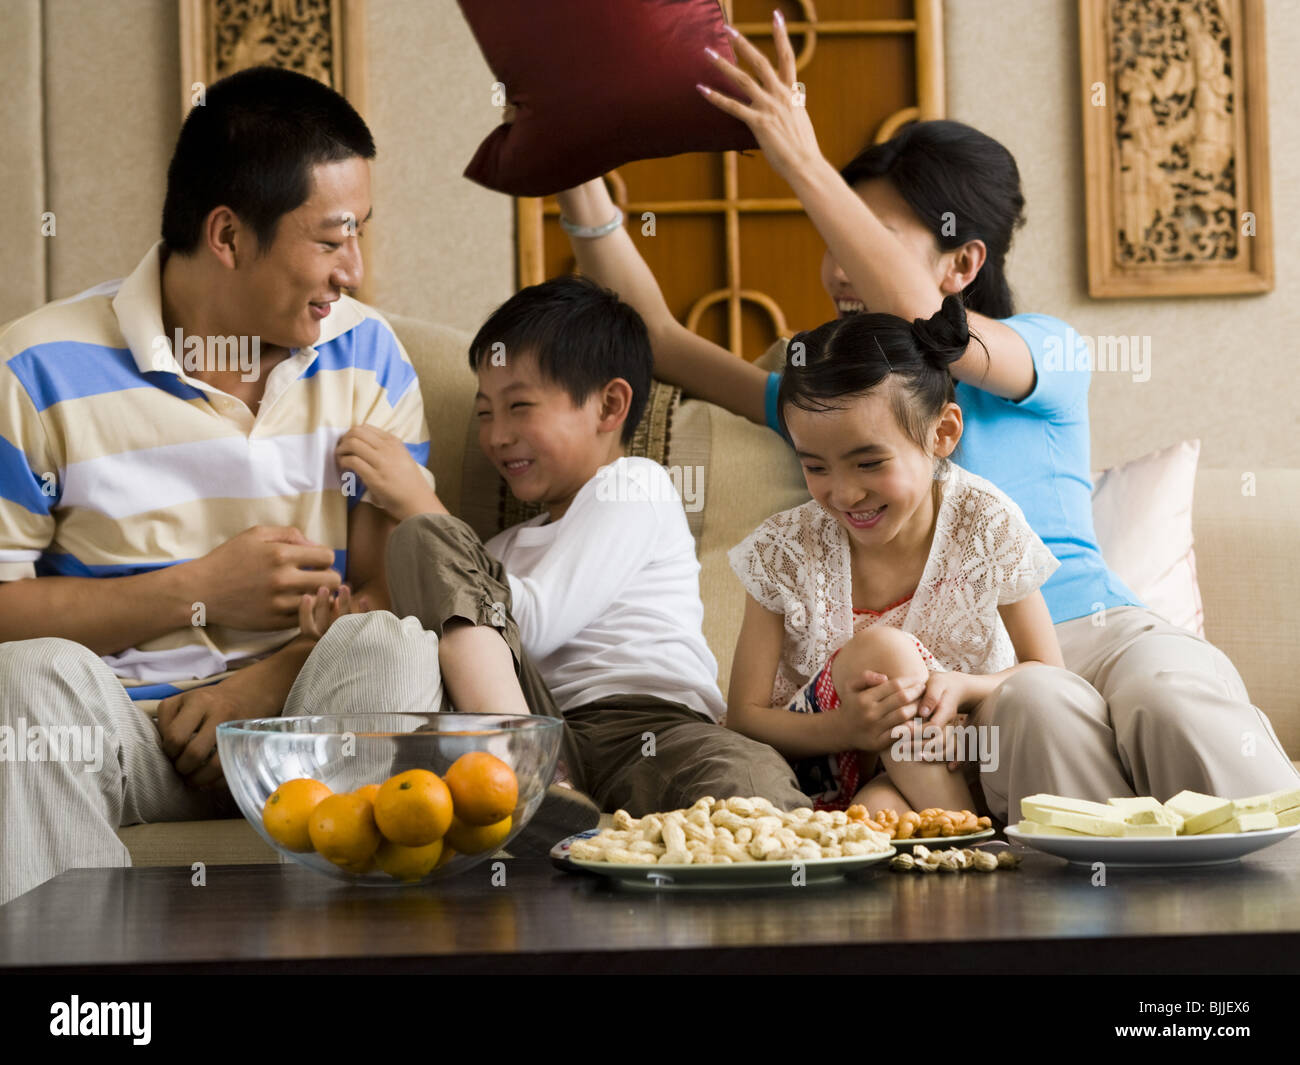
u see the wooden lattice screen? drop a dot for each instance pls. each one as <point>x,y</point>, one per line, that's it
<point>735,255</point>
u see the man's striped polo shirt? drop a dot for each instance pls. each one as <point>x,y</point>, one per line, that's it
<point>114,461</point>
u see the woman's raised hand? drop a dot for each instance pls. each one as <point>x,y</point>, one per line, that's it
<point>776,114</point>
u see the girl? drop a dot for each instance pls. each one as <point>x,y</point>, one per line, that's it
<point>902,566</point>
<point>1145,707</point>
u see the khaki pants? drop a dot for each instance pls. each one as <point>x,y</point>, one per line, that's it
<point>635,752</point>
<point>58,814</point>
<point>1143,708</point>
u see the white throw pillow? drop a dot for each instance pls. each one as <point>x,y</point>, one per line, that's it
<point>1142,511</point>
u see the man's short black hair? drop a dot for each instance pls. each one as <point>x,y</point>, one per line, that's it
<point>251,146</point>
<point>582,335</point>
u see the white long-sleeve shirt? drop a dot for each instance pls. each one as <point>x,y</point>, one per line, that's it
<point>607,599</point>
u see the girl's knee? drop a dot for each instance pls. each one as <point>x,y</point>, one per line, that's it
<point>882,649</point>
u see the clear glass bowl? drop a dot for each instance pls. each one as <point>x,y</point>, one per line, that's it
<point>346,752</point>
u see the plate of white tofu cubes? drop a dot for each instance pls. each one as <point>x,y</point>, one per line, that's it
<point>1188,829</point>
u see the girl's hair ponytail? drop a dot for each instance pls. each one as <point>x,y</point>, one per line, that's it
<point>943,337</point>
<point>849,357</point>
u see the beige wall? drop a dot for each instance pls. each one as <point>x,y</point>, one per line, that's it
<point>90,109</point>
<point>94,149</point>
<point>22,163</point>
<point>1222,367</point>
<point>443,247</point>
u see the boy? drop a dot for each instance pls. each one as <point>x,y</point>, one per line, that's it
<point>591,611</point>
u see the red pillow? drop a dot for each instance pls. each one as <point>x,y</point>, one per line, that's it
<point>599,83</point>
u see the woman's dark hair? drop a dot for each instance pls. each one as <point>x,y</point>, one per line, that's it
<point>582,335</point>
<point>963,185</point>
<point>250,146</point>
<point>848,357</point>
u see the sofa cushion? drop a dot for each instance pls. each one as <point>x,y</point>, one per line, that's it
<point>1142,511</point>
<point>594,85</point>
<point>1247,524</point>
<point>752,473</point>
<point>440,357</point>
<point>228,841</point>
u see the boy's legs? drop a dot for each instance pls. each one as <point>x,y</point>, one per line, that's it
<point>57,814</point>
<point>440,574</point>
<point>645,755</point>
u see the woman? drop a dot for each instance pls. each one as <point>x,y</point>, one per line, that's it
<point>1143,707</point>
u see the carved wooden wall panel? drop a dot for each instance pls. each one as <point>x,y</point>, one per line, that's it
<point>1176,147</point>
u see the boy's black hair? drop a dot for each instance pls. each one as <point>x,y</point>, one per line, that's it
<point>851,356</point>
<point>582,335</point>
<point>250,146</point>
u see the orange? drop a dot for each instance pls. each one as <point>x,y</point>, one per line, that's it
<point>343,829</point>
<point>366,865</point>
<point>287,809</point>
<point>447,854</point>
<point>413,808</point>
<point>408,863</point>
<point>483,788</point>
<point>475,839</point>
<point>370,791</point>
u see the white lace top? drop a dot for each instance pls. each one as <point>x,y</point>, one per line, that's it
<point>984,555</point>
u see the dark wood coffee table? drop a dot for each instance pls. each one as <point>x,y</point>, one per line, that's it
<point>1044,917</point>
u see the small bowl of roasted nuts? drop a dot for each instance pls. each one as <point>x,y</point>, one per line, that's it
<point>932,825</point>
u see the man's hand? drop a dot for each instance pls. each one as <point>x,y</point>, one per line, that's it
<point>254,581</point>
<point>392,476</point>
<point>188,722</point>
<point>875,708</point>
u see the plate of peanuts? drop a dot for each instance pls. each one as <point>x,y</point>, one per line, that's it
<point>726,843</point>
<point>924,826</point>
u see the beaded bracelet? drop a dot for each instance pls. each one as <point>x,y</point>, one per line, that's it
<point>575,230</point>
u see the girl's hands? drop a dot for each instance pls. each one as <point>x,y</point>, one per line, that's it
<point>393,477</point>
<point>948,693</point>
<point>317,613</point>
<point>875,707</point>
<point>776,114</point>
<point>945,694</point>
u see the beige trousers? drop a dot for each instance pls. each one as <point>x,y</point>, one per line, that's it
<point>1142,708</point>
<point>60,813</point>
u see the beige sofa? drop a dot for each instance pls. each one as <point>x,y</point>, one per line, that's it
<point>1246,550</point>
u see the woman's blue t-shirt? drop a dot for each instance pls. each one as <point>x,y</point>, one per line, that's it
<point>1037,451</point>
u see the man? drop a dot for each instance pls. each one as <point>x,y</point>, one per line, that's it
<point>179,459</point>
